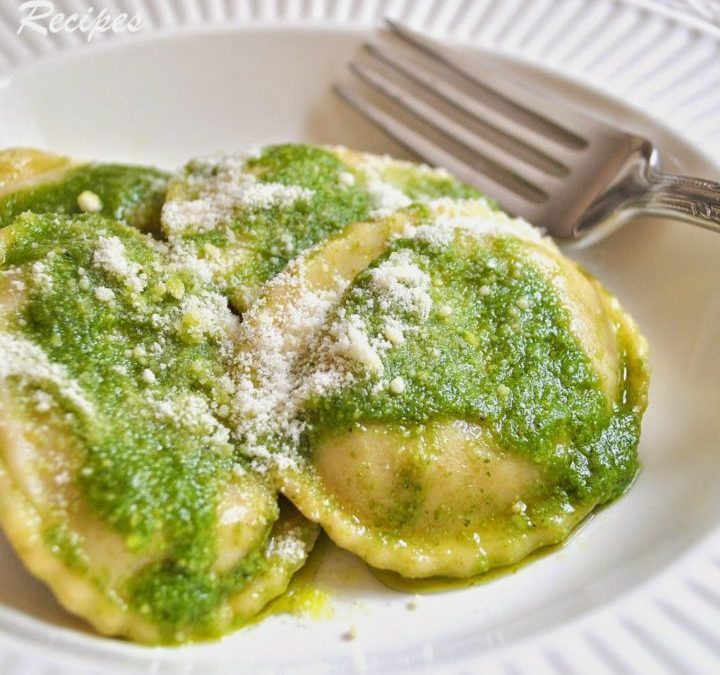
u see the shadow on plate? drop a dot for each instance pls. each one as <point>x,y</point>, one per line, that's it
<point>22,592</point>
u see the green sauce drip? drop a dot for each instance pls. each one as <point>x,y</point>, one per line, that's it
<point>506,358</point>
<point>130,194</point>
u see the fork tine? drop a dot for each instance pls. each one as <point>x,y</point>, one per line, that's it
<point>485,121</point>
<point>435,105</point>
<point>471,168</point>
<point>499,90</point>
<point>507,169</point>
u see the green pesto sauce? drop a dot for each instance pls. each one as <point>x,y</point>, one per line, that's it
<point>153,481</point>
<point>422,186</point>
<point>507,359</point>
<point>129,194</point>
<point>173,594</point>
<point>277,234</point>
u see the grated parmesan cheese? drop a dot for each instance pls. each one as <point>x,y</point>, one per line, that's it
<point>41,276</point>
<point>352,342</point>
<point>289,546</point>
<point>26,361</point>
<point>207,315</point>
<point>218,187</point>
<point>394,333</point>
<point>104,294</point>
<point>191,412</point>
<point>299,343</point>
<point>397,385</point>
<point>347,179</point>
<point>476,218</point>
<point>268,394</point>
<point>111,257</point>
<point>402,285</point>
<point>148,376</point>
<point>291,353</point>
<point>89,202</point>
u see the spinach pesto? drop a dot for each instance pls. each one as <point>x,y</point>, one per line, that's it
<point>43,183</point>
<point>253,213</point>
<point>119,354</point>
<point>461,396</point>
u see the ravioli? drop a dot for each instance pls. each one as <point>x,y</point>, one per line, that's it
<point>441,389</point>
<point>428,379</point>
<point>120,484</point>
<point>249,214</point>
<point>33,180</point>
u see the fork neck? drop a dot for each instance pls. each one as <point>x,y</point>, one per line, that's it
<point>643,190</point>
<point>693,200</point>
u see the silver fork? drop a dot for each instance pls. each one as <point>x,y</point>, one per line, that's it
<point>553,165</point>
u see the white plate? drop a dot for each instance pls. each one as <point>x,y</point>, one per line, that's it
<point>638,589</point>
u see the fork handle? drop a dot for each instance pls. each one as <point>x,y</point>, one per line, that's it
<point>694,200</point>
